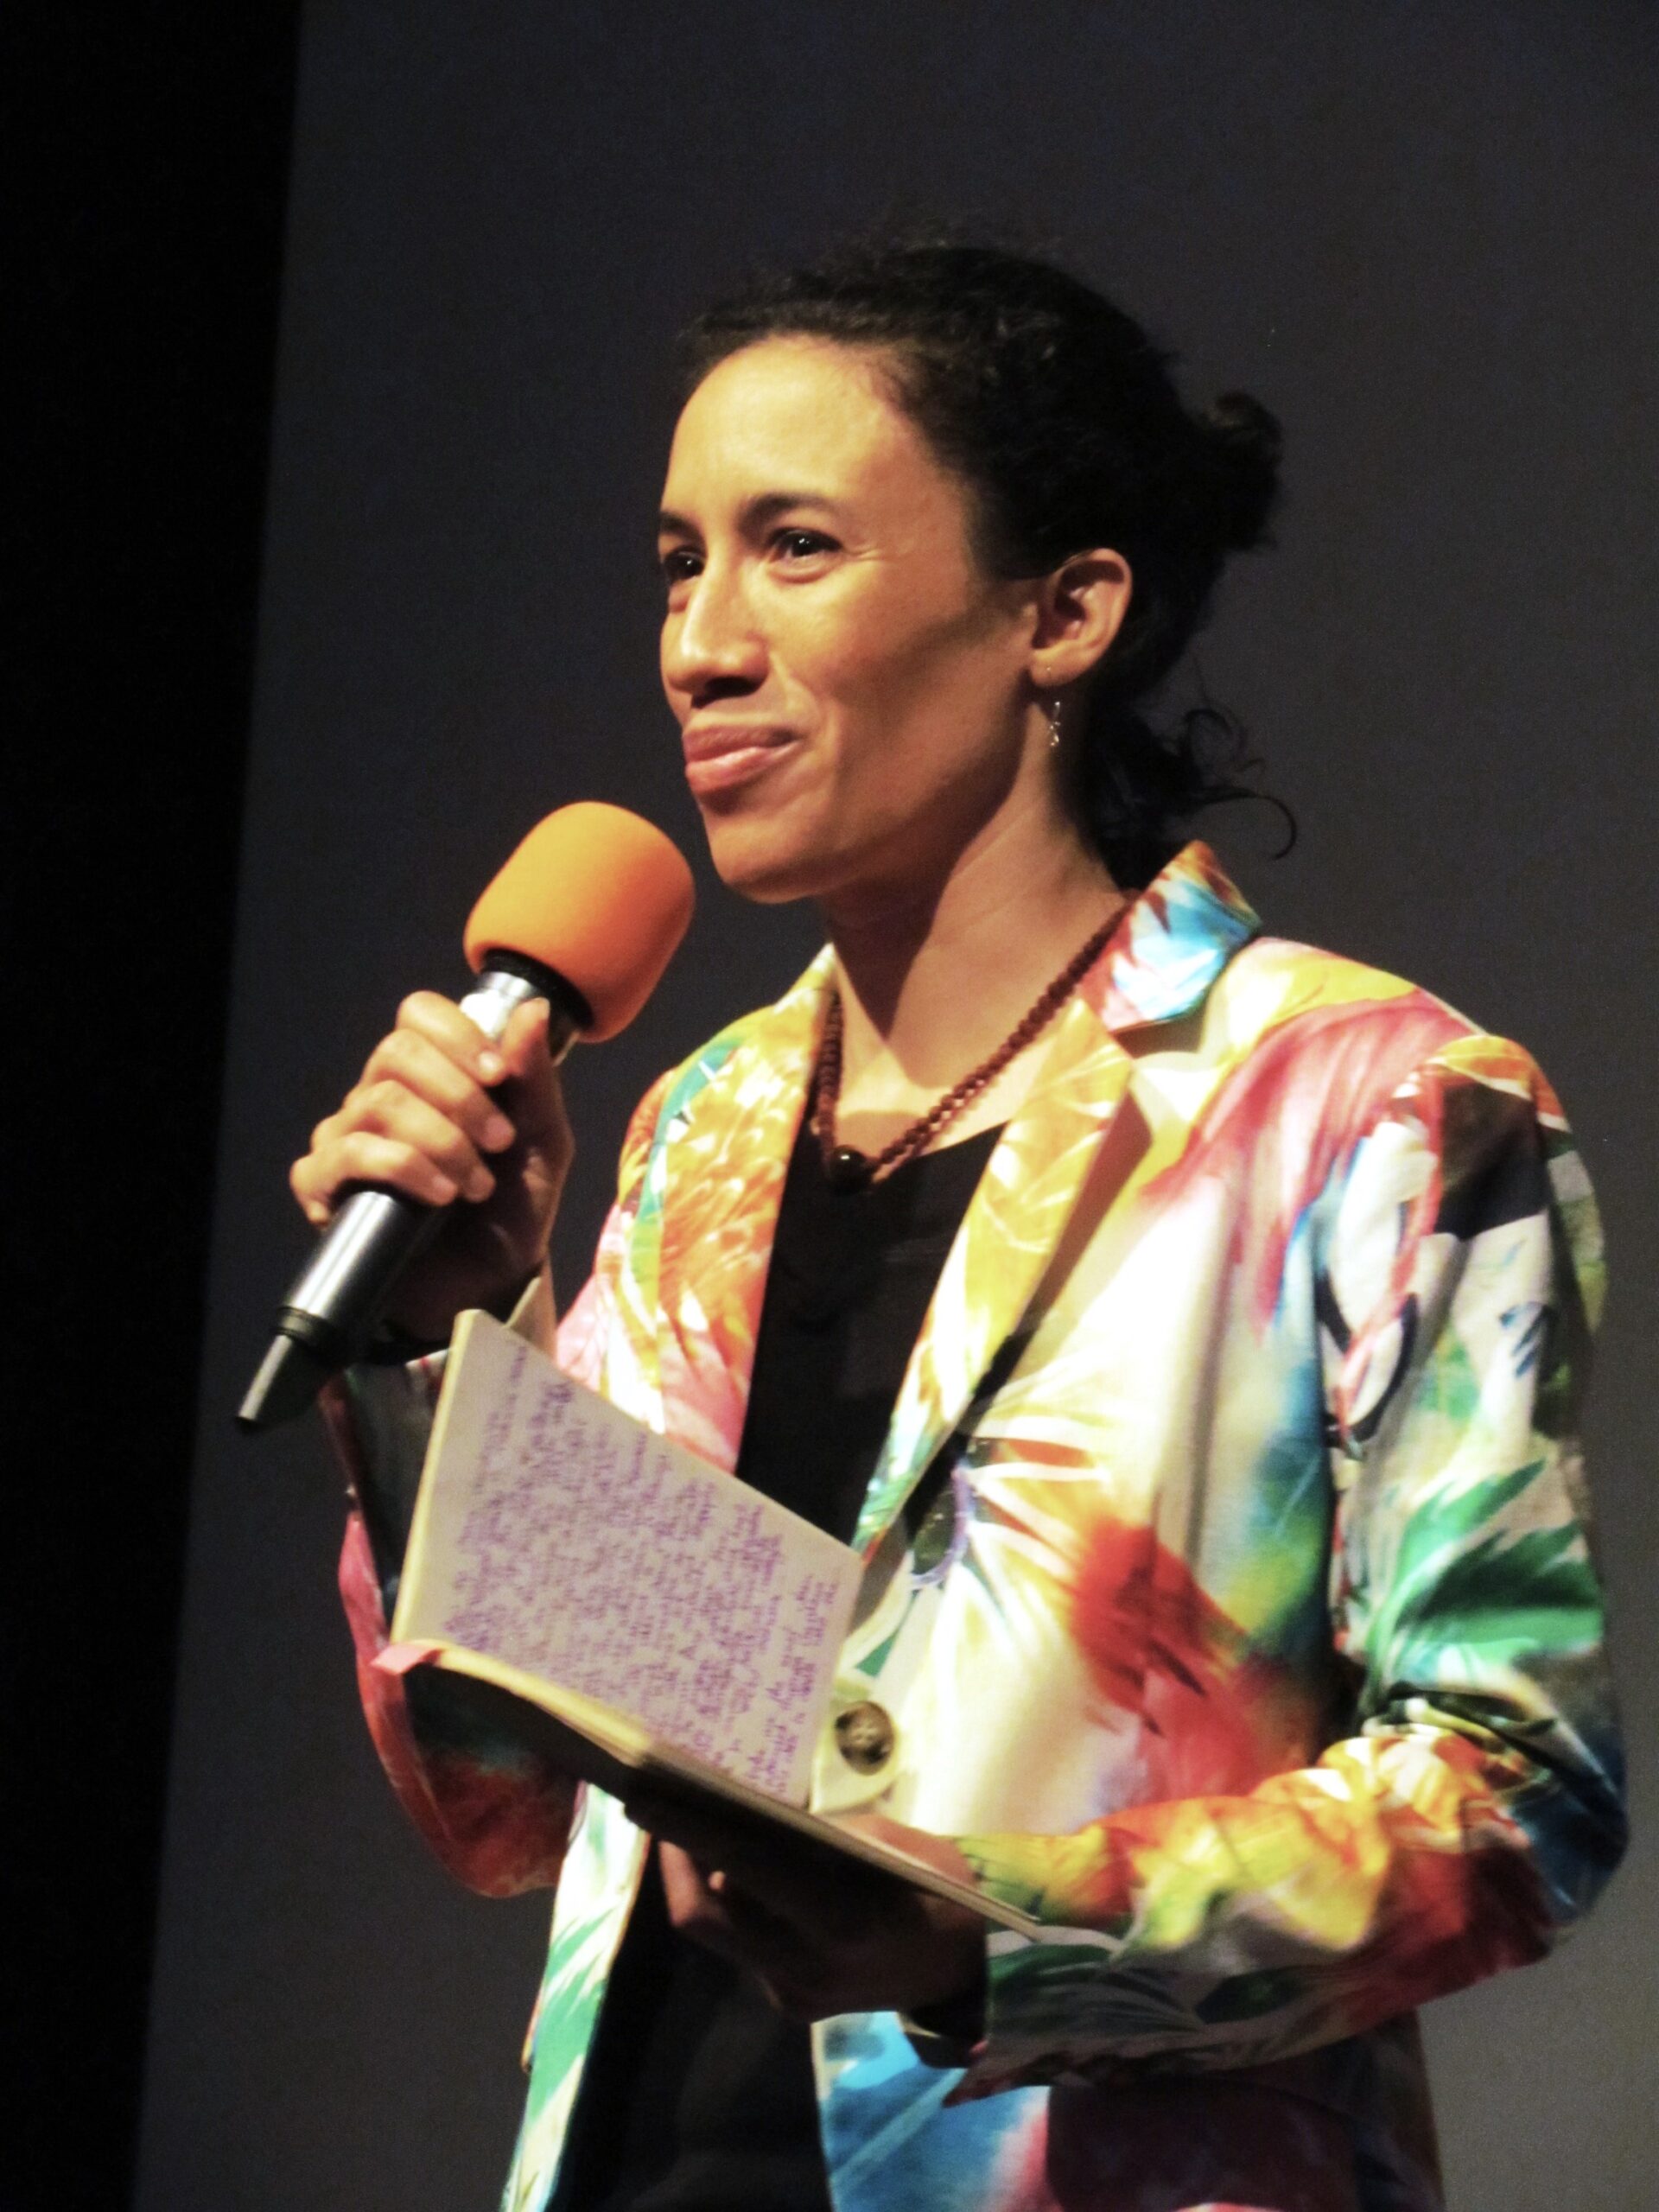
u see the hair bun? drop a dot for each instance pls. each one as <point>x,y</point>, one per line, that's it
<point>1245,442</point>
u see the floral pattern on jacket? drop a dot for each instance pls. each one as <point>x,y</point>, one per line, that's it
<point>1254,1641</point>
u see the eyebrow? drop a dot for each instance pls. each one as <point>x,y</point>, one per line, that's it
<point>764,508</point>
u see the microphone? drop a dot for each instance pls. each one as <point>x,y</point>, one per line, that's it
<point>586,913</point>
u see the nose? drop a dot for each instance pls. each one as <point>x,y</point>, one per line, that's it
<point>712,647</point>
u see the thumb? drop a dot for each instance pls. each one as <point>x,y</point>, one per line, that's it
<point>535,1101</point>
<point>522,1043</point>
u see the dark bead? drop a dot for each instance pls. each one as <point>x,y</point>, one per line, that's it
<point>847,1169</point>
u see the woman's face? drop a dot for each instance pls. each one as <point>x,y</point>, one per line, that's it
<point>853,689</point>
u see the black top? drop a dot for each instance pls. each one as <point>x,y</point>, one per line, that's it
<point>697,2096</point>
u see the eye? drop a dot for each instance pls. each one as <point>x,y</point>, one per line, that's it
<point>678,565</point>
<point>795,545</point>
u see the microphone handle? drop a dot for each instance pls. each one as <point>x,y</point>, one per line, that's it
<point>335,1301</point>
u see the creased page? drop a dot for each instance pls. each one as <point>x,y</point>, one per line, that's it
<point>559,1535</point>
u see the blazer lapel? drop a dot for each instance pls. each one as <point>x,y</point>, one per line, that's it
<point>1010,1231</point>
<point>720,1158</point>
<point>1173,942</point>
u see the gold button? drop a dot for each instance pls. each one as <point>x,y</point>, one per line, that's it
<point>864,1736</point>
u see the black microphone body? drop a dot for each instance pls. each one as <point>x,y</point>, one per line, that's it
<point>333,1305</point>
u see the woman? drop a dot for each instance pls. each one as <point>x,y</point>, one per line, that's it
<point>1186,1325</point>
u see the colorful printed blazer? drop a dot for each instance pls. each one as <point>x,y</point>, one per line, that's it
<point>1253,1642</point>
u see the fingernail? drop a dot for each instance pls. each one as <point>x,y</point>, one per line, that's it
<point>498,1132</point>
<point>491,1067</point>
<point>479,1183</point>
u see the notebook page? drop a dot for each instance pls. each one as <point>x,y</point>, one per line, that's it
<point>558,1536</point>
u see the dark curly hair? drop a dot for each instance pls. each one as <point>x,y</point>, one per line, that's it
<point>1061,417</point>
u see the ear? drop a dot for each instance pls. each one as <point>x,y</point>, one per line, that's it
<point>1078,610</point>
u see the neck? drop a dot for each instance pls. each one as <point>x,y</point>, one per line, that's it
<point>933,981</point>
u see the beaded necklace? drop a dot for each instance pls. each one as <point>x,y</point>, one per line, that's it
<point>848,1169</point>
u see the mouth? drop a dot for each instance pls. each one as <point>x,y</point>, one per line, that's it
<point>720,756</point>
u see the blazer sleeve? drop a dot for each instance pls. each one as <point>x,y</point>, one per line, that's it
<point>497,1816</point>
<point>1475,1806</point>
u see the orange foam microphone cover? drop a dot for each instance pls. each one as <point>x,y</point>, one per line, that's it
<point>597,893</point>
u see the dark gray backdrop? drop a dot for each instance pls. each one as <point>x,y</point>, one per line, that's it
<point>1423,234</point>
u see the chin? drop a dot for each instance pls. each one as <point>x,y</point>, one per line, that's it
<point>757,861</point>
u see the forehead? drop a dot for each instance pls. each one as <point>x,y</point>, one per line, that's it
<point>800,414</point>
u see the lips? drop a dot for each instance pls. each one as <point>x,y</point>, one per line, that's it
<point>720,756</point>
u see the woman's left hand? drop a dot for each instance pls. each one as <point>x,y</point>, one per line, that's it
<point>820,1934</point>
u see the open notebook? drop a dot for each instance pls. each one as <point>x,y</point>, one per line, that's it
<point>609,1599</point>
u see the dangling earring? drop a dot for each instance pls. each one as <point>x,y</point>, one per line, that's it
<point>1054,723</point>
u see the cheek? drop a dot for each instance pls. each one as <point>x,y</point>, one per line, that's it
<point>922,713</point>
<point>890,665</point>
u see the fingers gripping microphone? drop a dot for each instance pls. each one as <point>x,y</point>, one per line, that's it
<point>586,914</point>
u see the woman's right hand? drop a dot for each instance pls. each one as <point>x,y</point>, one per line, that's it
<point>448,1118</point>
